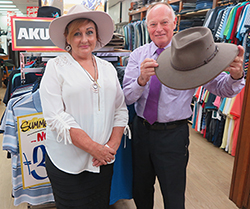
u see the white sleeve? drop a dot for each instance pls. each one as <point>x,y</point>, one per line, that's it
<point>53,105</point>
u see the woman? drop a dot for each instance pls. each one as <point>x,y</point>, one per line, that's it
<point>84,108</point>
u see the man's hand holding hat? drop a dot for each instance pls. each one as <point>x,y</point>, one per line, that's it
<point>147,70</point>
<point>236,67</point>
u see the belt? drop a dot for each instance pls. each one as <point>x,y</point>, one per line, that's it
<point>162,126</point>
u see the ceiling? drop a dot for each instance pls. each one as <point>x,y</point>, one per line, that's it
<point>22,4</point>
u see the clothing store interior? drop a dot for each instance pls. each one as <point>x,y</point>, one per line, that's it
<point>218,171</point>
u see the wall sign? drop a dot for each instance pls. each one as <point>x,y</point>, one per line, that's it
<point>31,136</point>
<point>31,34</point>
<point>9,14</point>
<point>32,11</point>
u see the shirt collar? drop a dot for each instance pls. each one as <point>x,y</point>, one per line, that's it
<point>153,47</point>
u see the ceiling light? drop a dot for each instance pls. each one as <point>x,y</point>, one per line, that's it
<point>7,5</point>
<point>8,9</point>
<point>6,2</point>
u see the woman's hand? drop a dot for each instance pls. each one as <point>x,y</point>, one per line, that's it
<point>103,155</point>
<point>112,146</point>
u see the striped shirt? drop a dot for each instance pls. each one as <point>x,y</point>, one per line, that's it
<point>21,106</point>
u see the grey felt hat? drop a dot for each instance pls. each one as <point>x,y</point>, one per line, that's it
<point>193,59</point>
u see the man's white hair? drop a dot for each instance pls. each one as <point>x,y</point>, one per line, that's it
<point>160,3</point>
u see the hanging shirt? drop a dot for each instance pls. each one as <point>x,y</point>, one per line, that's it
<point>244,23</point>
<point>20,106</point>
<point>236,113</point>
<point>230,22</point>
<point>223,24</point>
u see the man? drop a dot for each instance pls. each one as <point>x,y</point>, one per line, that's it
<point>161,148</point>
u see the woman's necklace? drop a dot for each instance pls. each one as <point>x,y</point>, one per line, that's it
<point>95,86</point>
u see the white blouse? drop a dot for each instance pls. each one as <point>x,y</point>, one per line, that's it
<point>68,100</point>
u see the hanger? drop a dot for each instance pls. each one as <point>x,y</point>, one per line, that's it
<point>24,70</point>
<point>33,70</point>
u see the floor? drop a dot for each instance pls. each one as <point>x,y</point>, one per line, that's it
<point>208,177</point>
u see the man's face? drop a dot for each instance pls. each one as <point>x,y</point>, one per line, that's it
<point>161,24</point>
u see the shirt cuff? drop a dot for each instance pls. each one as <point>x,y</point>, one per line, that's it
<point>243,76</point>
<point>237,85</point>
<point>232,80</point>
<point>137,87</point>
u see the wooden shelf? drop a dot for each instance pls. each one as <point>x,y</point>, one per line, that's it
<point>143,9</point>
<point>197,13</point>
<point>173,1</point>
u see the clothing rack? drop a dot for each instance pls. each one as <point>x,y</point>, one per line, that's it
<point>23,70</point>
<point>230,2</point>
<point>45,56</point>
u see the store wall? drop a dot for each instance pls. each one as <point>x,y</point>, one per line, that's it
<point>119,11</point>
<point>114,12</point>
<point>125,9</point>
<point>3,22</point>
<point>3,38</point>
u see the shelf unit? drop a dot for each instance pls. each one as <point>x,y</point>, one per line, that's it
<point>141,12</point>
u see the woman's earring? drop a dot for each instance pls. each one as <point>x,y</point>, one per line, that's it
<point>68,48</point>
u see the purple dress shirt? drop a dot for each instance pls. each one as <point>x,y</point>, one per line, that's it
<point>173,104</point>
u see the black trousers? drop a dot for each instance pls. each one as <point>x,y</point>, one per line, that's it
<point>161,153</point>
<point>85,190</point>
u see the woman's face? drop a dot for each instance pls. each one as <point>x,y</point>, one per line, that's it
<point>82,39</point>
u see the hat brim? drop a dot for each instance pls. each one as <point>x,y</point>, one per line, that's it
<point>182,80</point>
<point>103,21</point>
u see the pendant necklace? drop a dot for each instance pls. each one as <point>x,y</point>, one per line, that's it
<point>95,86</point>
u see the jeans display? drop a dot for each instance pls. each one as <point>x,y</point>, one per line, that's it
<point>204,4</point>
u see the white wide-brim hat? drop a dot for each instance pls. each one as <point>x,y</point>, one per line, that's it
<point>103,21</point>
